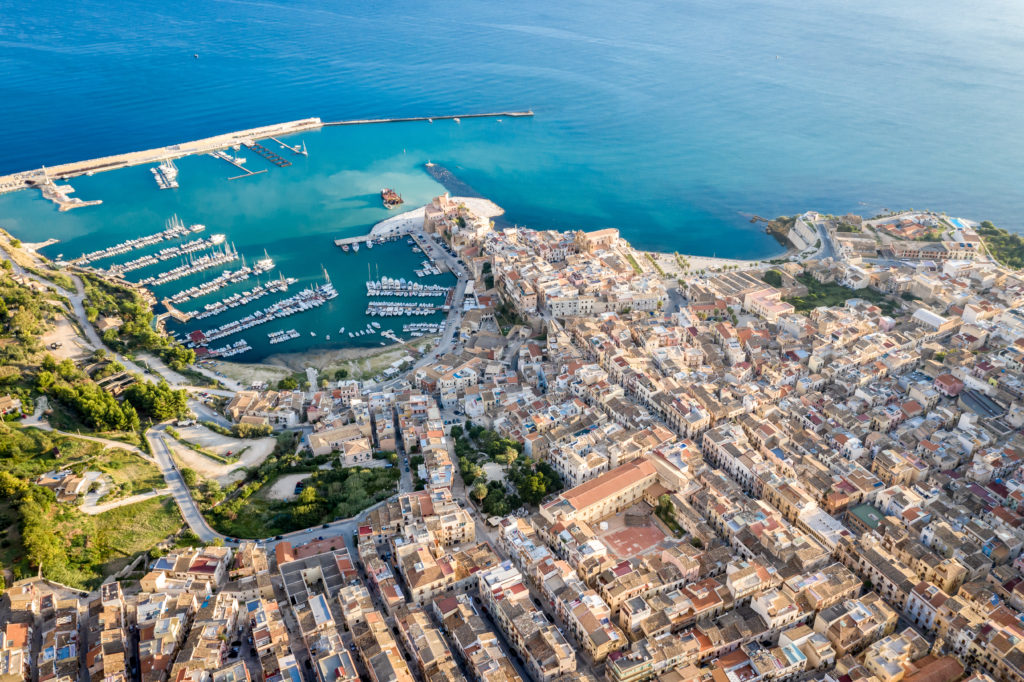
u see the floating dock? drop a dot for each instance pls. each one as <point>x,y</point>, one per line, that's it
<point>268,155</point>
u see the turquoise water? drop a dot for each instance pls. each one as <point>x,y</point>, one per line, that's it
<point>292,213</point>
<point>671,120</point>
<point>674,121</point>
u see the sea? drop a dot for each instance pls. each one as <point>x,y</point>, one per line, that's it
<point>675,121</point>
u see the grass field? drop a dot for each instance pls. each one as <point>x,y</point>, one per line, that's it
<point>100,545</point>
<point>130,473</point>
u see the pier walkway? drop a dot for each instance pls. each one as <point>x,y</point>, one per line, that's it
<point>446,117</point>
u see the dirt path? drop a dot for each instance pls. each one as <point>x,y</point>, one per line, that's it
<point>107,506</point>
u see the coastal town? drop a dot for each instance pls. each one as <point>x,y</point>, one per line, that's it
<point>607,464</point>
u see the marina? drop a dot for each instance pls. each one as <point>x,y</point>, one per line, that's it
<point>174,229</point>
<point>246,297</point>
<point>400,308</point>
<point>387,286</point>
<point>236,348</point>
<point>168,253</point>
<point>282,336</point>
<point>216,258</point>
<point>427,268</point>
<point>166,175</point>
<point>307,299</point>
<point>224,279</point>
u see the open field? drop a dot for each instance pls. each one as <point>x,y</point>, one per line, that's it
<point>102,544</point>
<point>129,473</point>
<point>360,362</point>
<point>249,374</point>
<point>253,453</point>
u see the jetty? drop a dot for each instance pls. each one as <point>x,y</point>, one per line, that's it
<point>446,117</point>
<point>298,149</point>
<point>349,241</point>
<point>44,178</point>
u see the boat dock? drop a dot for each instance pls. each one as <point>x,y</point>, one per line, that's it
<point>439,263</point>
<point>267,154</point>
<point>223,156</point>
<point>349,241</point>
<point>301,151</point>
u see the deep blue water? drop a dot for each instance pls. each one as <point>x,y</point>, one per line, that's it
<point>673,121</point>
<point>668,119</point>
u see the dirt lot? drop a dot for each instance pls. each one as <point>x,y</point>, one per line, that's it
<point>247,375</point>
<point>284,487</point>
<point>255,451</point>
<point>65,334</point>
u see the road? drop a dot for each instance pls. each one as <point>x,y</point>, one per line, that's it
<point>182,497</point>
<point>827,250</point>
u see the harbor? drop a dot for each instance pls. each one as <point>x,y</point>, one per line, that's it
<point>202,272</point>
<point>387,286</point>
<point>307,299</point>
<point>226,278</point>
<point>194,265</point>
<point>174,229</point>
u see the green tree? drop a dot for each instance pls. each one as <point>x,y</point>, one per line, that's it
<point>340,374</point>
<point>189,476</point>
<point>479,492</point>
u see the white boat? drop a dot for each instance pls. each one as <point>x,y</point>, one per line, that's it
<point>341,331</point>
<point>328,337</point>
<point>312,333</point>
<point>457,120</point>
<point>350,335</point>
<point>355,247</point>
<point>375,325</point>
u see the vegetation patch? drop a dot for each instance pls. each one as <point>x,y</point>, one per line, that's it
<point>832,294</point>
<point>636,266</point>
<point>654,262</point>
<point>136,333</point>
<point>1005,247</point>
<point>247,512</point>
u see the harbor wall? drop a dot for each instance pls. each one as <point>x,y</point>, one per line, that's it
<point>22,180</point>
<point>40,176</point>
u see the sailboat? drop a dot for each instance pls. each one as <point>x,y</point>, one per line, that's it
<point>302,149</point>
